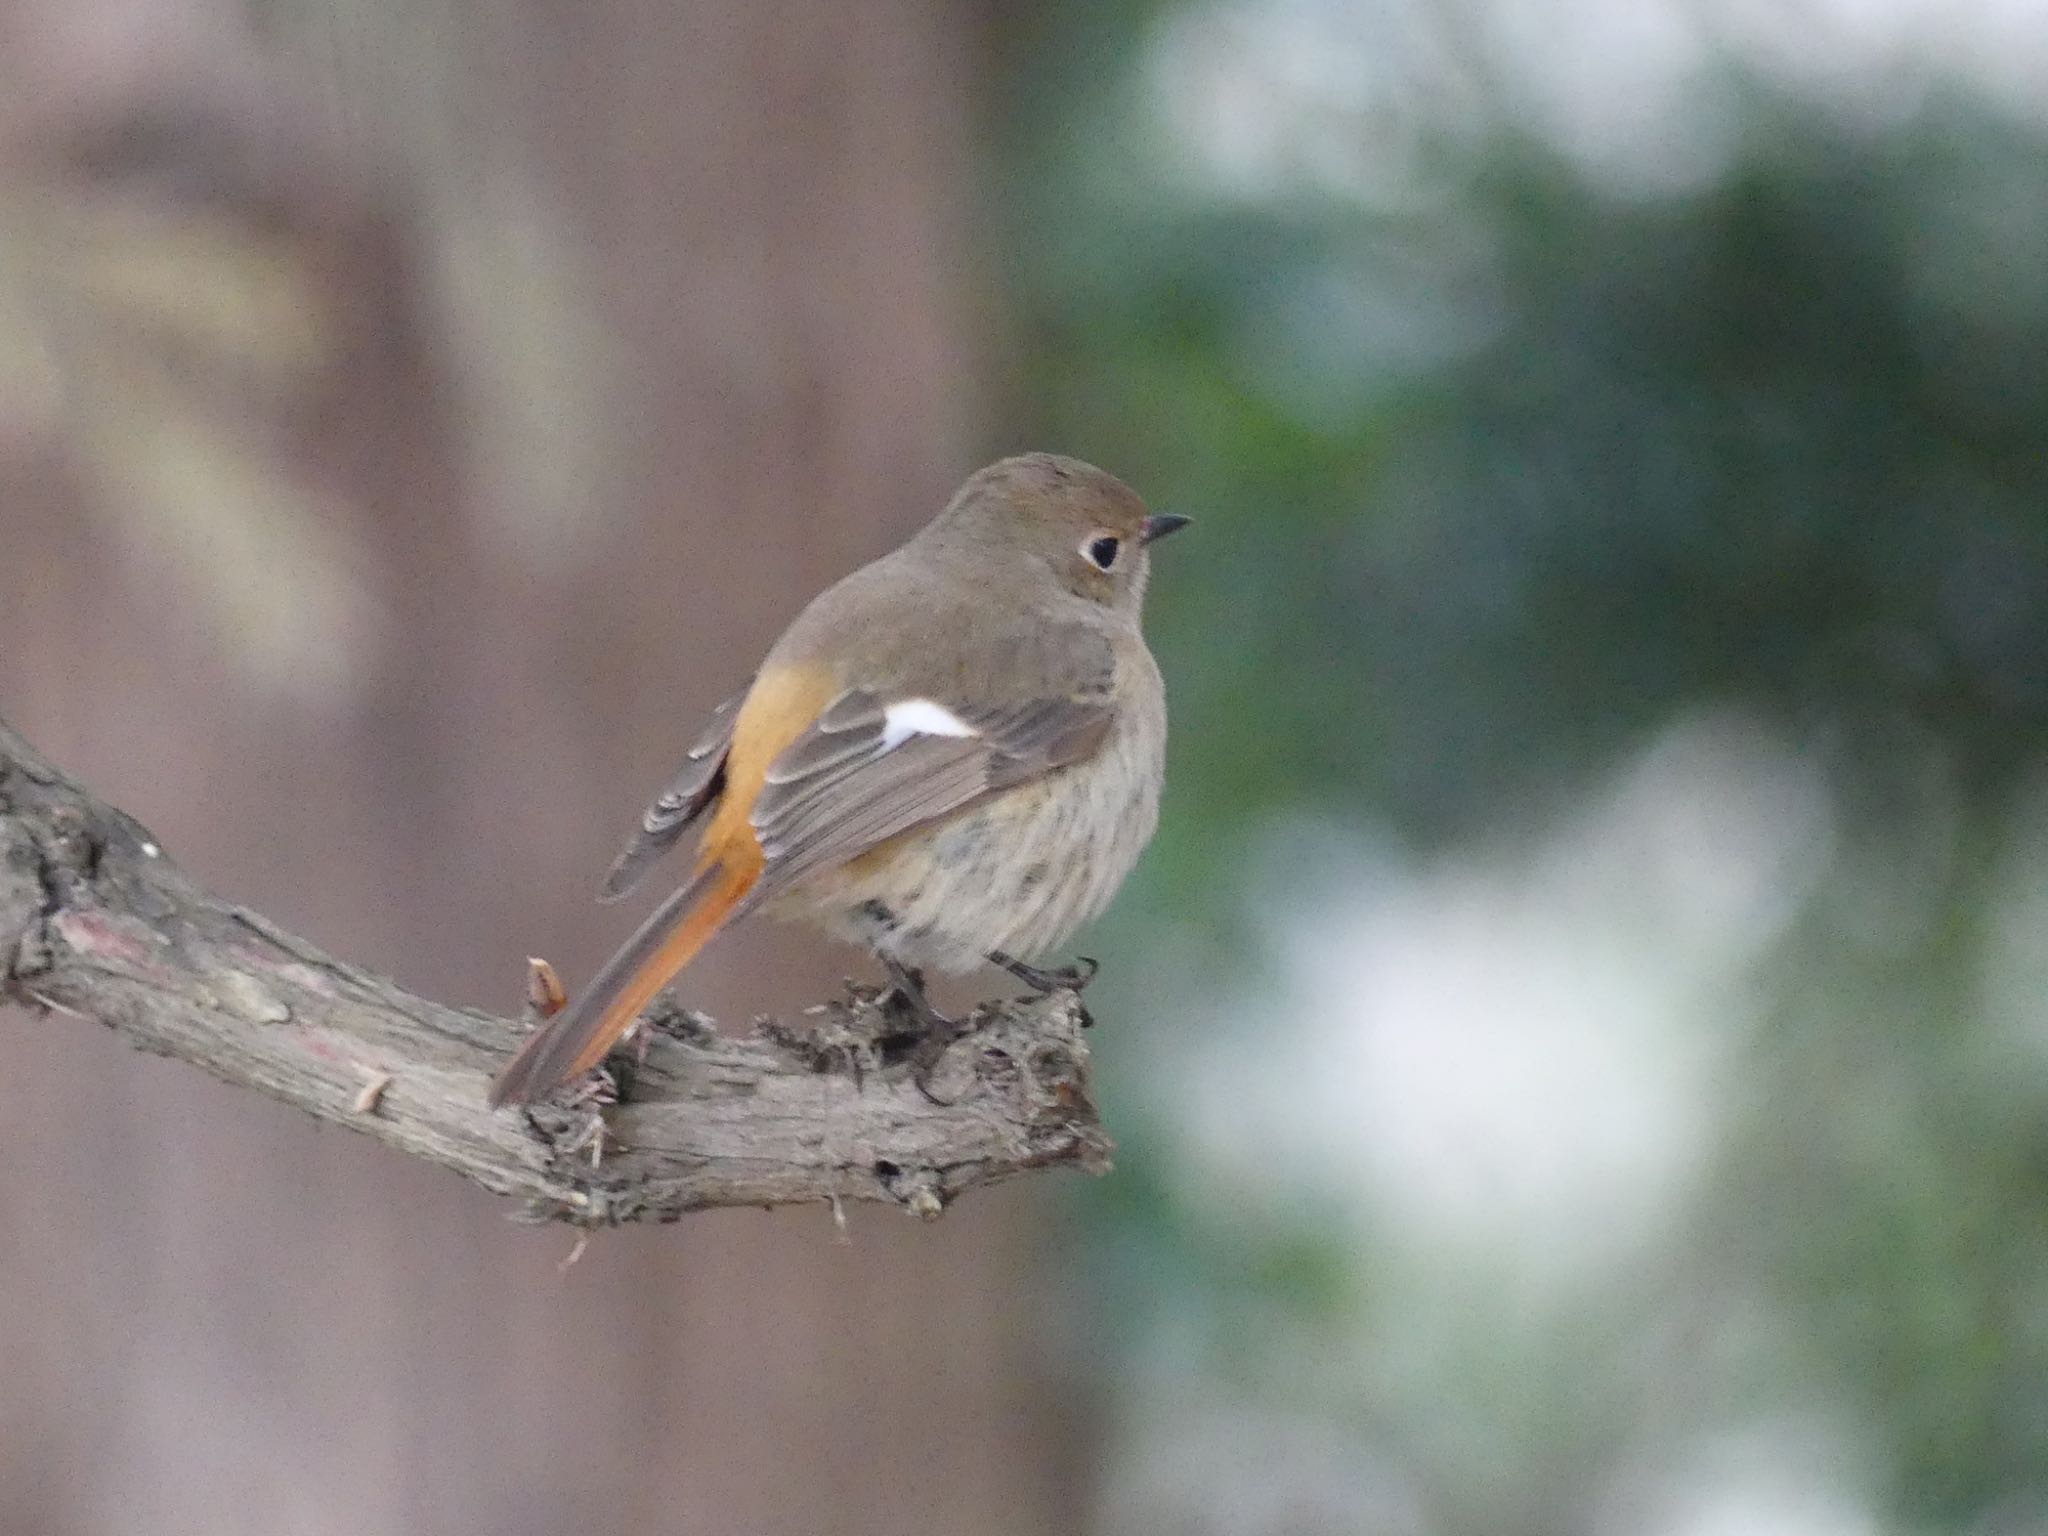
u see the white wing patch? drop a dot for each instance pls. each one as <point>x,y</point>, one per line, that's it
<point>920,717</point>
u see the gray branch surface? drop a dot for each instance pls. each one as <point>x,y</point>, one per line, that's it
<point>96,923</point>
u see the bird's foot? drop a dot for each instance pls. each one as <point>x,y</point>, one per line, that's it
<point>926,1055</point>
<point>1068,978</point>
<point>935,1030</point>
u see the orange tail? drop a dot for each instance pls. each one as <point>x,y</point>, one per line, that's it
<point>576,1039</point>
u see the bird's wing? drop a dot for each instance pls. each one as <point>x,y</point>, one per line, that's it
<point>873,766</point>
<point>681,802</point>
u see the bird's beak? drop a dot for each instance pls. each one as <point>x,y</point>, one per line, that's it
<point>1160,524</point>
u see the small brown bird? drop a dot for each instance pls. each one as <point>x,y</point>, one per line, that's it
<point>953,755</point>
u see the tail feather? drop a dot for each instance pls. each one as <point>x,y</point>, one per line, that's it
<point>576,1039</point>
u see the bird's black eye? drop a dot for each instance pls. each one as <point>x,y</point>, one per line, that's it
<point>1102,550</point>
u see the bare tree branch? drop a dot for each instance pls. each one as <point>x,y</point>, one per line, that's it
<point>96,922</point>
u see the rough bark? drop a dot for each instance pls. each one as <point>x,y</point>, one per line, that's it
<point>96,922</point>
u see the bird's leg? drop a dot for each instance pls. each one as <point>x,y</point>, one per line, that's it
<point>906,991</point>
<point>1068,978</point>
<point>935,1030</point>
<point>906,982</point>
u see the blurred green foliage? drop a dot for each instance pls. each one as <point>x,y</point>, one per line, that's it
<point>1492,481</point>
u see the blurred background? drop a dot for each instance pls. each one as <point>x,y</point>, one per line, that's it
<point>1580,1042</point>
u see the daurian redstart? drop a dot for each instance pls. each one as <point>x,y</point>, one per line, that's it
<point>953,755</point>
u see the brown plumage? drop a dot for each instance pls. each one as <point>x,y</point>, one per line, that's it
<point>955,751</point>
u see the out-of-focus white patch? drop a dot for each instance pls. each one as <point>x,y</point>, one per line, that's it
<point>920,717</point>
<point>1788,1478</point>
<point>1514,1053</point>
<point>1263,99</point>
<point>1267,98</point>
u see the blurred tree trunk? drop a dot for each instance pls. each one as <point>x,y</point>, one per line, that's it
<point>415,415</point>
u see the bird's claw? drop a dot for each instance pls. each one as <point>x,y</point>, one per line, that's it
<point>926,1055</point>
